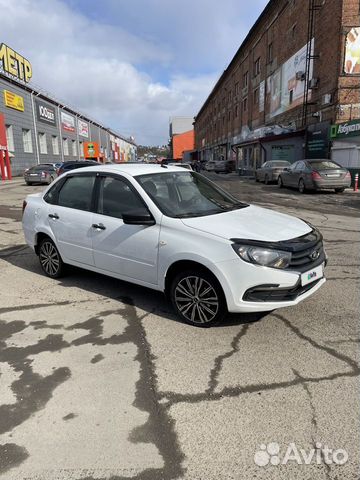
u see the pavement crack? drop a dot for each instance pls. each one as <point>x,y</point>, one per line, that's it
<point>218,362</point>
<point>329,350</point>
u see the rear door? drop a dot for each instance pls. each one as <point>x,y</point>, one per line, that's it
<point>288,176</point>
<point>70,217</point>
<point>130,251</point>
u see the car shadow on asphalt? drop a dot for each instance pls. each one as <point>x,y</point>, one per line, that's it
<point>151,301</point>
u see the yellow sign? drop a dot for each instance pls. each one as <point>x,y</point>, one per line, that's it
<point>14,63</point>
<point>13,101</point>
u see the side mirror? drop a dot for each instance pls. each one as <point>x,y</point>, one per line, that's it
<point>138,218</point>
<point>286,169</point>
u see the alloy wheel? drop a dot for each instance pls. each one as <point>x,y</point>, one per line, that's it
<point>49,258</point>
<point>301,186</point>
<point>196,299</point>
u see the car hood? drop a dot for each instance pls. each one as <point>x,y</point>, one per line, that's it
<point>251,223</point>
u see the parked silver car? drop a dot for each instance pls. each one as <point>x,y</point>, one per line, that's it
<point>317,174</point>
<point>270,171</point>
<point>43,173</point>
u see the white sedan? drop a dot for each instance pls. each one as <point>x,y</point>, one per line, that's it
<point>175,231</point>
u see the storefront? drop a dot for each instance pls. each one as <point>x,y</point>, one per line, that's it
<point>345,148</point>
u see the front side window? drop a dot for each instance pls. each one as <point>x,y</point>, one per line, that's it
<point>187,194</point>
<point>77,192</point>
<point>27,141</point>
<point>116,197</point>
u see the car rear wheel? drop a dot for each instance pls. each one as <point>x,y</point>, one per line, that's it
<point>198,298</point>
<point>51,179</point>
<point>301,186</point>
<point>339,190</point>
<point>50,259</point>
<point>280,182</point>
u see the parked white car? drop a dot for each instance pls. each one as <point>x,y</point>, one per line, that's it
<point>175,231</point>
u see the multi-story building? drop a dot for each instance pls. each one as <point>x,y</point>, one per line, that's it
<point>41,129</point>
<point>293,79</point>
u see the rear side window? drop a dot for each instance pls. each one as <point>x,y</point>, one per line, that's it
<point>77,192</point>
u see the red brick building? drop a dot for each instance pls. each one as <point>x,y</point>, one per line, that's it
<point>296,74</point>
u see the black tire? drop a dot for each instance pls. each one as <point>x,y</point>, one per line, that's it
<point>266,181</point>
<point>29,183</point>
<point>50,260</point>
<point>186,291</point>
<point>256,179</point>
<point>301,186</point>
<point>280,182</point>
<point>51,180</point>
<point>339,190</point>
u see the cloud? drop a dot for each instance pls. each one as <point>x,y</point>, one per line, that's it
<point>131,76</point>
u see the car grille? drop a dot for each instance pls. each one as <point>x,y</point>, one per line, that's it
<point>307,252</point>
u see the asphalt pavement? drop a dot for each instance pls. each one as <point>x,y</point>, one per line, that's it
<point>99,380</point>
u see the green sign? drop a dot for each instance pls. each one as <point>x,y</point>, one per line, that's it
<point>345,130</point>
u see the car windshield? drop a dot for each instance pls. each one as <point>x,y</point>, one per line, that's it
<point>324,165</point>
<point>280,164</point>
<point>187,194</point>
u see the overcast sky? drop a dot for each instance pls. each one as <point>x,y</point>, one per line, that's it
<point>130,64</point>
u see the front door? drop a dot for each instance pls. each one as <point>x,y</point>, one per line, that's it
<point>130,251</point>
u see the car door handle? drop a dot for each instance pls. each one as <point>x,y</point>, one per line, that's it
<point>98,226</point>
<point>54,216</point>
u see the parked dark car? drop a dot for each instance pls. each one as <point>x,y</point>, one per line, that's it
<point>317,174</point>
<point>224,166</point>
<point>270,171</point>
<point>42,173</point>
<point>72,165</point>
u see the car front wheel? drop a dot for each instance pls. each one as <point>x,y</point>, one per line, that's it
<point>302,186</point>
<point>280,182</point>
<point>50,259</point>
<point>198,298</point>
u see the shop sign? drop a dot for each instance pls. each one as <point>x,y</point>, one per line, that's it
<point>67,122</point>
<point>14,63</point>
<point>317,140</point>
<point>12,100</point>
<point>83,128</point>
<point>91,150</point>
<point>45,113</point>
<point>345,130</point>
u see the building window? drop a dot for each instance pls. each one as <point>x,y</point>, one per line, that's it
<point>236,111</point>
<point>10,137</point>
<point>74,149</point>
<point>66,146</point>
<point>55,145</point>
<point>27,141</point>
<point>270,52</point>
<point>42,143</point>
<point>229,115</point>
<point>291,96</point>
<point>81,148</point>
<point>256,96</point>
<point>237,88</point>
<point>257,67</point>
<point>245,102</point>
<point>246,79</point>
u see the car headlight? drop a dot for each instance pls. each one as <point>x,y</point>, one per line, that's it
<point>267,257</point>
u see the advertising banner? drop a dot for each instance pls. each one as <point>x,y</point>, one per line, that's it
<point>67,122</point>
<point>83,128</point>
<point>91,150</point>
<point>45,113</point>
<point>12,100</point>
<point>317,140</point>
<point>287,84</point>
<point>15,64</point>
<point>352,52</point>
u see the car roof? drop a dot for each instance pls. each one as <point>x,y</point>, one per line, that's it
<point>133,169</point>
